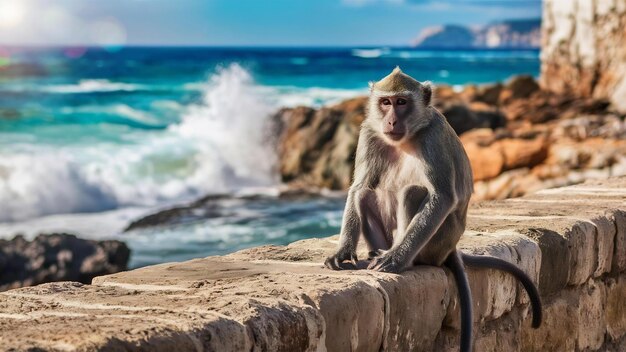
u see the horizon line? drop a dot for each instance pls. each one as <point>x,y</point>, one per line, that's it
<point>245,46</point>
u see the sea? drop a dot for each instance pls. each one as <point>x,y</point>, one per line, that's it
<point>94,138</point>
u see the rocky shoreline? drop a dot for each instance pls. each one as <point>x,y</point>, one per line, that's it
<point>519,138</point>
<point>58,257</point>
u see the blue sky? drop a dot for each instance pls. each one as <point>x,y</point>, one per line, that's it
<point>242,22</point>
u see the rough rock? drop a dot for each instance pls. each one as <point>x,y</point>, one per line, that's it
<point>584,49</point>
<point>519,87</point>
<point>58,257</point>
<point>318,146</point>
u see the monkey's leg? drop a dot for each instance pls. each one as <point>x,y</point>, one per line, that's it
<point>410,202</point>
<point>372,224</point>
<point>422,214</point>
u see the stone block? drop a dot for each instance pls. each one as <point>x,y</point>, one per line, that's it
<point>619,252</point>
<point>615,309</point>
<point>605,230</point>
<point>555,259</point>
<point>581,238</point>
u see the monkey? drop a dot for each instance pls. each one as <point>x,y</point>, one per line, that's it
<point>410,193</point>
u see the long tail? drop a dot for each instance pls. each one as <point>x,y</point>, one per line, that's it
<point>455,263</point>
<point>501,264</point>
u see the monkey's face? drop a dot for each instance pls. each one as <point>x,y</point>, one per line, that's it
<point>395,111</point>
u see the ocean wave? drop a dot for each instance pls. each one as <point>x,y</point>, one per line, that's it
<point>93,86</point>
<point>219,145</point>
<point>289,96</point>
<point>370,53</point>
<point>119,111</point>
<point>472,55</point>
<point>37,184</point>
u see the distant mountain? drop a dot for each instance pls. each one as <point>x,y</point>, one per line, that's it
<point>524,33</point>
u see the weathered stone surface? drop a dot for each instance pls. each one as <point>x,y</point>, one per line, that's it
<point>559,328</point>
<point>615,309</point>
<point>584,48</point>
<point>605,231</point>
<point>415,328</point>
<point>282,298</point>
<point>555,259</point>
<point>591,316</point>
<point>581,238</point>
<point>619,253</point>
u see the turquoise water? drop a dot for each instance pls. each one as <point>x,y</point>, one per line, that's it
<point>95,130</point>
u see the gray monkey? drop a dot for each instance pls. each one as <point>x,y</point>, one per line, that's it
<point>411,189</point>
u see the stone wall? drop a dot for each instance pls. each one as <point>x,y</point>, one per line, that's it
<point>584,48</point>
<point>571,240</point>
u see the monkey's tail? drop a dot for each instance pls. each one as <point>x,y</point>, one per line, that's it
<point>501,264</point>
<point>455,263</point>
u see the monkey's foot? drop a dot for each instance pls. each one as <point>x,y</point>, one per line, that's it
<point>335,261</point>
<point>385,263</point>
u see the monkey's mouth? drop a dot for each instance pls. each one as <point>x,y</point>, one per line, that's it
<point>394,135</point>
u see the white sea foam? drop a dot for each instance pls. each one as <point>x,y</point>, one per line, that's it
<point>43,183</point>
<point>120,110</point>
<point>230,130</point>
<point>370,53</point>
<point>290,96</point>
<point>219,146</point>
<point>92,86</point>
<point>314,96</point>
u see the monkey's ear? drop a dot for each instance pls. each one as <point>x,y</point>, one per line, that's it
<point>427,92</point>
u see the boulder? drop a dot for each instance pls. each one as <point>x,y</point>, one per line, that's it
<point>487,161</point>
<point>58,257</point>
<point>523,153</point>
<point>318,146</point>
<point>522,87</point>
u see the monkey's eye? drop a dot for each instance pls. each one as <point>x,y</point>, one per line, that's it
<point>401,101</point>
<point>385,102</point>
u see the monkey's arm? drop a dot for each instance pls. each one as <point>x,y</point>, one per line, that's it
<point>348,237</point>
<point>351,223</point>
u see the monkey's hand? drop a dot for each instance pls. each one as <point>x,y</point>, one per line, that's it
<point>385,263</point>
<point>334,261</point>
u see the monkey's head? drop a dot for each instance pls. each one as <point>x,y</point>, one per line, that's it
<point>398,106</point>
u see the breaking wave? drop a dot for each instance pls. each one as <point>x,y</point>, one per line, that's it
<point>219,144</point>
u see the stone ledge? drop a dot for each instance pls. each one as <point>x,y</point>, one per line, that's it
<point>281,298</point>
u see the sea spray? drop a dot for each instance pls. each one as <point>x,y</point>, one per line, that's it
<point>230,127</point>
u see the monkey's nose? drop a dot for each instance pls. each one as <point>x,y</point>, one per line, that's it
<point>392,123</point>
